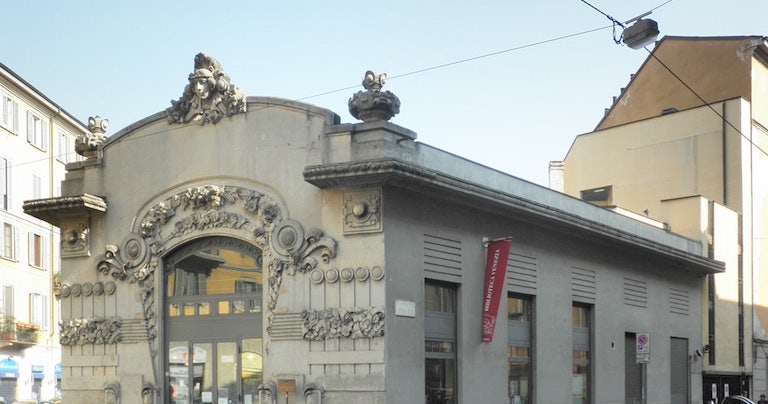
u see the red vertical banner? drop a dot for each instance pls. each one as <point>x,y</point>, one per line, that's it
<point>495,272</point>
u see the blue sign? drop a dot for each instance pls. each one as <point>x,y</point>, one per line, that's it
<point>9,369</point>
<point>57,370</point>
<point>38,369</point>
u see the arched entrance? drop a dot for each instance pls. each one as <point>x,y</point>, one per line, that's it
<point>213,322</point>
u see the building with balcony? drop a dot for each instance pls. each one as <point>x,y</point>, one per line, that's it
<point>234,249</point>
<point>685,144</point>
<point>37,139</point>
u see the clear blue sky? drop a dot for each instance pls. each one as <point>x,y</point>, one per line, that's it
<point>513,111</point>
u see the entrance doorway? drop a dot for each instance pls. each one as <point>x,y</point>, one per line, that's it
<point>213,322</point>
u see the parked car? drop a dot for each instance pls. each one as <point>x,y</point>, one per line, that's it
<point>737,400</point>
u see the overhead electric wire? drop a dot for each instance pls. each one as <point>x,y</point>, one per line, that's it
<point>440,66</point>
<point>707,104</point>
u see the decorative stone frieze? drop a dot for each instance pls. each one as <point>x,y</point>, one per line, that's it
<point>208,97</point>
<point>362,211</point>
<point>90,331</point>
<point>333,275</point>
<point>343,323</point>
<point>373,104</point>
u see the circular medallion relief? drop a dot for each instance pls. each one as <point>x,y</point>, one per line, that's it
<point>316,276</point>
<point>332,275</point>
<point>347,274</point>
<point>377,273</point>
<point>87,289</point>
<point>361,274</point>
<point>98,288</point>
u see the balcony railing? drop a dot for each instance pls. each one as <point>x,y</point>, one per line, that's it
<point>18,333</point>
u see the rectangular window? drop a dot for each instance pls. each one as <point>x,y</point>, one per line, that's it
<point>582,337</point>
<point>5,183</point>
<point>10,117</point>
<point>38,251</point>
<point>441,375</point>
<point>37,186</point>
<point>8,242</point>
<point>38,310</point>
<point>37,131</point>
<point>6,300</point>
<point>519,326</point>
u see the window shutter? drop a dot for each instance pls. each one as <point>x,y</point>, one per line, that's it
<point>8,300</point>
<point>30,128</point>
<point>16,243</point>
<point>16,117</point>
<point>45,253</point>
<point>44,126</point>
<point>9,183</point>
<point>6,109</point>
<point>44,324</point>
<point>31,248</point>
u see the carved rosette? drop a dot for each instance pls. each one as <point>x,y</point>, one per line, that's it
<point>90,331</point>
<point>362,211</point>
<point>208,97</point>
<point>74,239</point>
<point>374,104</point>
<point>343,323</point>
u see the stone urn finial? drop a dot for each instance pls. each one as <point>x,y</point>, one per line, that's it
<point>88,144</point>
<point>374,104</point>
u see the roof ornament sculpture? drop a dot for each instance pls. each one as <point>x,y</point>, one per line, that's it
<point>88,144</point>
<point>374,104</point>
<point>208,97</point>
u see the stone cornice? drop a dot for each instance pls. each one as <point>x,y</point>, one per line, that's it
<point>52,210</point>
<point>421,179</point>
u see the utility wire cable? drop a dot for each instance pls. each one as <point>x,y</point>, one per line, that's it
<point>414,72</point>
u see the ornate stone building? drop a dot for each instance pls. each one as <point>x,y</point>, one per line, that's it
<point>235,250</point>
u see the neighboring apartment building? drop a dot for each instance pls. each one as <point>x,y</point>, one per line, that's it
<point>686,144</point>
<point>242,250</point>
<point>37,139</point>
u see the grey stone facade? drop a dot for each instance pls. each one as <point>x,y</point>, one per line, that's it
<point>348,221</point>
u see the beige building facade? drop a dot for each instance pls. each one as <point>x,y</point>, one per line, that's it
<point>685,144</point>
<point>37,139</point>
<point>243,250</point>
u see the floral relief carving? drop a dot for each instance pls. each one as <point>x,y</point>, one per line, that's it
<point>343,323</point>
<point>90,331</point>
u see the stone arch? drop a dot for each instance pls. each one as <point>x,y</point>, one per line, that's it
<point>249,214</point>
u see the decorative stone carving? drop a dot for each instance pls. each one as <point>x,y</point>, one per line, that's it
<point>286,247</point>
<point>362,211</point>
<point>148,391</point>
<point>208,97</point>
<point>88,145</point>
<point>373,104</point>
<point>343,323</point>
<point>112,393</point>
<point>74,239</point>
<point>90,331</point>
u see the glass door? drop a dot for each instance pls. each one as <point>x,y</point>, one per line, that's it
<point>224,372</point>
